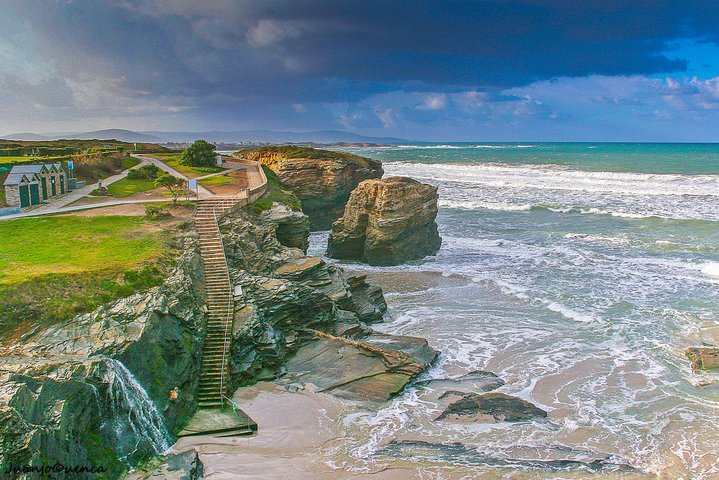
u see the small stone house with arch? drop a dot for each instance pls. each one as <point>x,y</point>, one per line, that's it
<point>29,185</point>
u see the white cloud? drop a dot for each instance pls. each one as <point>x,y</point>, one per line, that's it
<point>433,101</point>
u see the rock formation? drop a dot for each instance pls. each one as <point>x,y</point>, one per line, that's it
<point>387,222</point>
<point>95,390</point>
<point>321,179</point>
<point>490,408</point>
<point>299,311</point>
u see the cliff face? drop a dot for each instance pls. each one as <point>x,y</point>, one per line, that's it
<point>321,179</point>
<point>387,222</point>
<point>95,390</point>
<point>297,313</point>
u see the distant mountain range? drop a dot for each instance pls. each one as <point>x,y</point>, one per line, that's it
<point>255,136</point>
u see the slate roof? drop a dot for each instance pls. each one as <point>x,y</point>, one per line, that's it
<point>19,171</point>
<point>15,178</point>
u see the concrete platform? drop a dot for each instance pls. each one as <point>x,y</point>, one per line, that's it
<point>221,422</point>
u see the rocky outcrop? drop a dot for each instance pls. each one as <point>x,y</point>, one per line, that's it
<point>490,408</point>
<point>375,368</point>
<point>291,228</point>
<point>298,312</point>
<point>387,222</point>
<point>178,466</point>
<point>321,179</point>
<point>95,391</point>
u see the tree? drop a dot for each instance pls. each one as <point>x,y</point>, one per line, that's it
<point>199,154</point>
<point>174,185</point>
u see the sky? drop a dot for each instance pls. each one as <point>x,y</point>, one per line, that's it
<point>473,70</point>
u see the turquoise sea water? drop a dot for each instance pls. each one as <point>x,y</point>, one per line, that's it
<point>579,273</point>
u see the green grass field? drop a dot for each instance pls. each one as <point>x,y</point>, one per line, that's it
<point>216,181</point>
<point>173,160</point>
<point>5,160</point>
<point>127,187</point>
<point>129,162</point>
<point>34,247</point>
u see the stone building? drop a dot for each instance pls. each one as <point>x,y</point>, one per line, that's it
<point>28,185</point>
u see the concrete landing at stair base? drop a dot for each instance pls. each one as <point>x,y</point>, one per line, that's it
<point>221,422</point>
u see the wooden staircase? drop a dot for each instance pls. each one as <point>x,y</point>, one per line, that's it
<point>213,371</point>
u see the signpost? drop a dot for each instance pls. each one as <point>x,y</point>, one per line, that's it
<point>193,186</point>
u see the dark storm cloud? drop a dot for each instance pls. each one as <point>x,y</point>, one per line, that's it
<point>341,51</point>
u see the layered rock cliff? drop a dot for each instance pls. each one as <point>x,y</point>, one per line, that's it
<point>95,391</point>
<point>321,179</point>
<point>294,307</point>
<point>387,222</point>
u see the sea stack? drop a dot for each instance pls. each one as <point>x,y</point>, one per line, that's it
<point>387,222</point>
<point>321,179</point>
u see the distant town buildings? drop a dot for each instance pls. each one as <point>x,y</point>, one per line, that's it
<point>28,185</point>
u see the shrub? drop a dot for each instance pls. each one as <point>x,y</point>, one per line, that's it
<point>199,154</point>
<point>149,172</point>
<point>155,212</point>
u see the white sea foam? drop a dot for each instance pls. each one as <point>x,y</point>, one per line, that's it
<point>568,312</point>
<point>560,178</point>
<point>711,269</point>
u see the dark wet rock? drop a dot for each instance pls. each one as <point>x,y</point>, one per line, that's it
<point>529,458</point>
<point>477,381</point>
<point>490,408</point>
<point>372,369</point>
<point>704,358</point>
<point>387,221</point>
<point>179,466</point>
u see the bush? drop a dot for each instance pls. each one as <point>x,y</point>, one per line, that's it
<point>199,154</point>
<point>155,212</point>
<point>148,172</point>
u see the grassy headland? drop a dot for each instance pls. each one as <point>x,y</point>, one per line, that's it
<point>263,154</point>
<point>52,268</point>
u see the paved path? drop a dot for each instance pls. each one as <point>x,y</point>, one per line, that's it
<point>202,191</point>
<point>61,205</point>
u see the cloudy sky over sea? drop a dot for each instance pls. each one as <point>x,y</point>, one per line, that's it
<point>455,70</point>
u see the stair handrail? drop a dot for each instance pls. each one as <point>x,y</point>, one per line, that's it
<point>229,310</point>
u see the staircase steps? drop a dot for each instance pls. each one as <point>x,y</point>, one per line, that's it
<point>219,297</point>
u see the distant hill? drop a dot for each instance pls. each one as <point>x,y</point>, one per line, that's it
<point>26,136</point>
<point>116,134</point>
<point>255,136</point>
<point>108,134</point>
<point>319,136</point>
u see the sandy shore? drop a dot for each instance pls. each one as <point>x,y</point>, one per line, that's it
<point>295,431</point>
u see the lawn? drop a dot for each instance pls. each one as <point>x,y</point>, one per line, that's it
<point>128,186</point>
<point>129,162</point>
<point>5,160</point>
<point>216,181</point>
<point>173,160</point>
<point>34,247</point>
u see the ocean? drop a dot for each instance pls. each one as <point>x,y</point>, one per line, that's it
<point>579,273</point>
